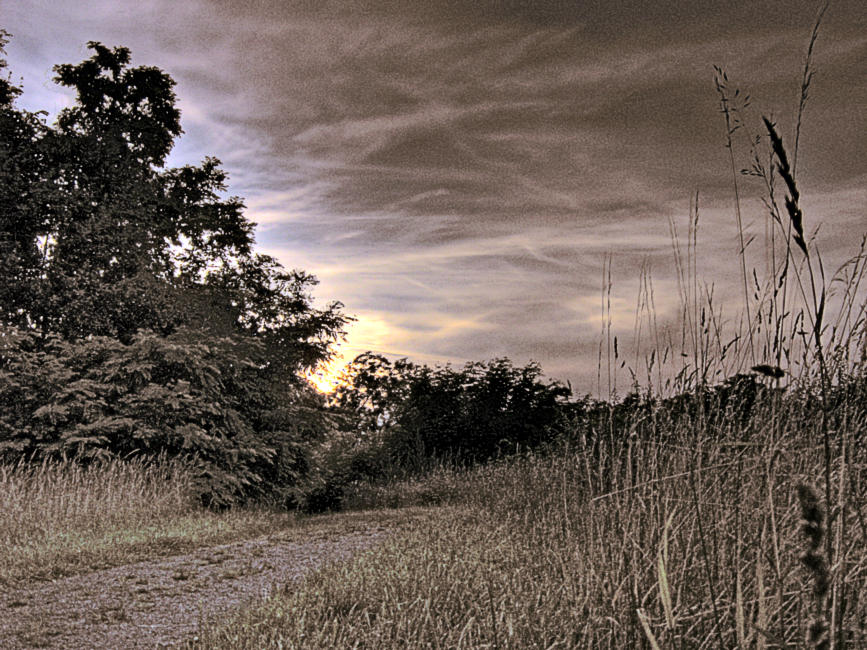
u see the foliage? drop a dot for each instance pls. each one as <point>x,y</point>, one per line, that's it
<point>411,417</point>
<point>136,317</point>
<point>173,395</point>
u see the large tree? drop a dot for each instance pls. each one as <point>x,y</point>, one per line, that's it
<point>133,282</point>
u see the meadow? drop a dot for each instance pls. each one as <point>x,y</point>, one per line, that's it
<point>689,541</point>
<point>720,503</point>
<point>59,518</point>
<point>693,537</point>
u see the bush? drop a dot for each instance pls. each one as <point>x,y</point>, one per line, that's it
<point>175,396</point>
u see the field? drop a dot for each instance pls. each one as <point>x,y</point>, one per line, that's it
<point>177,472</point>
<point>686,542</point>
<point>690,538</point>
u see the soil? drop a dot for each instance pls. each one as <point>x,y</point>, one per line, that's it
<point>161,603</point>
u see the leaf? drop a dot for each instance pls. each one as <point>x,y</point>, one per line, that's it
<point>51,412</point>
<point>645,623</point>
<point>662,575</point>
<point>817,329</point>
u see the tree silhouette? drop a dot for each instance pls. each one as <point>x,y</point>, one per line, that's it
<point>126,286</point>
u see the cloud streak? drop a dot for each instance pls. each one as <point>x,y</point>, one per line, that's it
<point>455,172</point>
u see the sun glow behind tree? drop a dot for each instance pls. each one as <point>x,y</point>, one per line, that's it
<point>138,317</point>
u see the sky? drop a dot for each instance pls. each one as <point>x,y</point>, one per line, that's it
<point>456,173</point>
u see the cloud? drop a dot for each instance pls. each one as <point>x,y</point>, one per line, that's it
<point>455,172</point>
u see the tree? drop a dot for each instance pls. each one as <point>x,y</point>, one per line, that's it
<point>371,391</point>
<point>126,286</point>
<point>98,224</point>
<point>421,415</point>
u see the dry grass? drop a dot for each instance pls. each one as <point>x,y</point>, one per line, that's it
<point>58,518</point>
<point>667,528</point>
<point>692,544</point>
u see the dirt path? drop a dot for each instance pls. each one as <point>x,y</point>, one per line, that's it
<point>160,603</point>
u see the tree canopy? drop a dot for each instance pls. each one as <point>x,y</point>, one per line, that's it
<point>136,315</point>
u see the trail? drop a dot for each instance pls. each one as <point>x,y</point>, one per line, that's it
<point>160,603</point>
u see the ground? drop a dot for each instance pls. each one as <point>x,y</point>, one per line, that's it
<point>160,602</point>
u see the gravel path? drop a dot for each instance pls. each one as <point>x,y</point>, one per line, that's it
<point>160,603</point>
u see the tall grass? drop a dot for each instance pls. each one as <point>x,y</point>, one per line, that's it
<point>698,515</point>
<point>59,517</point>
<point>684,538</point>
<point>53,497</point>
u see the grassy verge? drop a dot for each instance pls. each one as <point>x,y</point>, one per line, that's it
<point>414,587</point>
<point>688,543</point>
<point>59,518</point>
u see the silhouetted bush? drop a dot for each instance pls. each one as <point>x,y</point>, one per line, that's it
<point>405,418</point>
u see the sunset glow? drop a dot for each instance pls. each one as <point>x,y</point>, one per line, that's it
<point>325,378</point>
<point>455,172</point>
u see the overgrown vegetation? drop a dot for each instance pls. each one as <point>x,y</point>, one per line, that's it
<point>399,419</point>
<point>721,503</point>
<point>696,537</point>
<point>135,316</point>
<point>60,518</point>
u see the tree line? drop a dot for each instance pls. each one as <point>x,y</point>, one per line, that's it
<point>136,317</point>
<point>137,320</point>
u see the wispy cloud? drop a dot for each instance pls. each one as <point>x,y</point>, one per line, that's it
<point>455,172</point>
